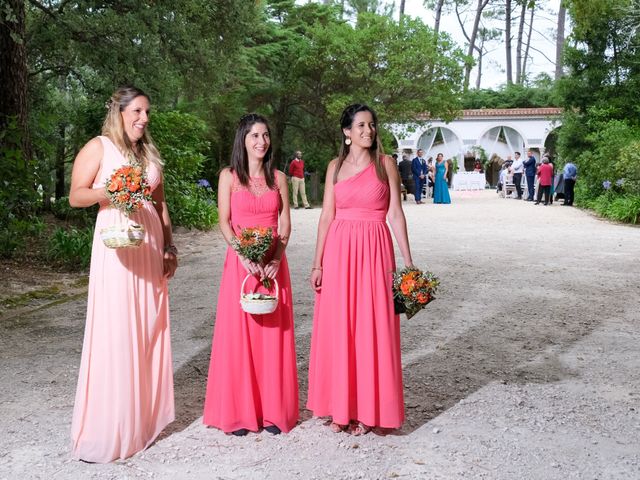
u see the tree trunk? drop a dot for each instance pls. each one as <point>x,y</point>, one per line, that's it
<point>472,40</point>
<point>438,14</point>
<point>526,52</point>
<point>60,157</point>
<point>562,14</point>
<point>523,12</point>
<point>13,73</point>
<point>401,9</point>
<point>480,56</point>
<point>507,41</point>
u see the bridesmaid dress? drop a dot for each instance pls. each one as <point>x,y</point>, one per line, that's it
<point>252,381</point>
<point>355,370</point>
<point>124,397</point>
<point>441,189</point>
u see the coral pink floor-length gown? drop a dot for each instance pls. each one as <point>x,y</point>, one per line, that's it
<point>252,380</point>
<point>355,370</point>
<point>124,396</point>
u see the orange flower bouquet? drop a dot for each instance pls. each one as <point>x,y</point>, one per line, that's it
<point>127,189</point>
<point>253,243</point>
<point>413,289</point>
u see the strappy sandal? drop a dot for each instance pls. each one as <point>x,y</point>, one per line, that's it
<point>358,428</point>
<point>337,428</point>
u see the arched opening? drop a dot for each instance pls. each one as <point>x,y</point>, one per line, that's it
<point>551,142</point>
<point>441,140</point>
<point>502,141</point>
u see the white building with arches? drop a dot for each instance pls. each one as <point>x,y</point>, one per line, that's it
<point>498,132</point>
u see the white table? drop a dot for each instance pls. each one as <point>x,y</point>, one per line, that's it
<point>469,181</point>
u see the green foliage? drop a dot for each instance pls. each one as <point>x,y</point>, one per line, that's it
<point>83,217</point>
<point>192,206</point>
<point>70,247</point>
<point>624,208</point>
<point>512,96</point>
<point>15,233</point>
<point>180,138</point>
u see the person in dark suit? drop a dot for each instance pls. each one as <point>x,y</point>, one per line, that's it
<point>418,175</point>
<point>406,174</point>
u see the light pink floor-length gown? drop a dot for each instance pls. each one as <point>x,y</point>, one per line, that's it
<point>124,396</point>
<point>252,380</point>
<point>355,370</point>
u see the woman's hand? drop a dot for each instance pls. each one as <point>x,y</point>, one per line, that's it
<point>252,268</point>
<point>271,268</point>
<point>169,264</point>
<point>316,279</point>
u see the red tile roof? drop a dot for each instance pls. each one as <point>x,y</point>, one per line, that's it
<point>513,112</point>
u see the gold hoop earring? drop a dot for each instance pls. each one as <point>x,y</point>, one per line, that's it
<point>347,141</point>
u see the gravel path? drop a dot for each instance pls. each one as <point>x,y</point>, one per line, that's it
<point>527,365</point>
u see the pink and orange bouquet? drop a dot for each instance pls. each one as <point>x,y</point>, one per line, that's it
<point>413,289</point>
<point>127,188</point>
<point>253,243</point>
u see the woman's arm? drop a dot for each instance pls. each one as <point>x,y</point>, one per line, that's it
<point>85,168</point>
<point>284,227</point>
<point>170,259</point>
<point>326,217</point>
<point>395,214</point>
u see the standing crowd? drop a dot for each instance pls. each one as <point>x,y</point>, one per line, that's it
<point>124,396</point>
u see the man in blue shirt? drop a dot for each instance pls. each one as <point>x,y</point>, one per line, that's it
<point>569,174</point>
<point>418,176</point>
<point>530,172</point>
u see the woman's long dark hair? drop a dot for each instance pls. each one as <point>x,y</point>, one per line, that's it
<point>239,157</point>
<point>376,152</point>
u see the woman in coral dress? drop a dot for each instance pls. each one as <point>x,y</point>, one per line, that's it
<point>125,385</point>
<point>355,371</point>
<point>252,381</point>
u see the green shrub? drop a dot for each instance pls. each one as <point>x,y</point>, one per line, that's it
<point>192,205</point>
<point>71,247</point>
<point>623,208</point>
<point>83,217</point>
<point>15,233</point>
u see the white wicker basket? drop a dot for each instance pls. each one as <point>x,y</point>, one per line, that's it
<point>258,303</point>
<point>122,236</point>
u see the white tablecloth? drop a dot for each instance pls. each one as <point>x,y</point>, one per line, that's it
<point>469,181</point>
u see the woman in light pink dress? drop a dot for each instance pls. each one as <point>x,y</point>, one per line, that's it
<point>355,371</point>
<point>252,381</point>
<point>124,396</point>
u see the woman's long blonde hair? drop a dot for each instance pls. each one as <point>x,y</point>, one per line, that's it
<point>113,128</point>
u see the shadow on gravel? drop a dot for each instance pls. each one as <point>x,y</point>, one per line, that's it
<point>508,351</point>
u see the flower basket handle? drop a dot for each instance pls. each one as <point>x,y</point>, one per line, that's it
<point>275,286</point>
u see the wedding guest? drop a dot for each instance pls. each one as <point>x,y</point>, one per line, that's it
<point>355,371</point>
<point>252,382</point>
<point>545,176</point>
<point>530,174</point>
<point>296,170</point>
<point>419,175</point>
<point>406,174</point>
<point>124,397</point>
<point>441,189</point>
<point>570,174</point>
<point>518,170</point>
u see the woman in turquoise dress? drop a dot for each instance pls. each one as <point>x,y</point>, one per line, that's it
<point>441,189</point>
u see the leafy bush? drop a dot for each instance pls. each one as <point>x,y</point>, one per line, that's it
<point>625,208</point>
<point>84,217</point>
<point>71,247</point>
<point>192,205</point>
<point>180,138</point>
<point>15,231</point>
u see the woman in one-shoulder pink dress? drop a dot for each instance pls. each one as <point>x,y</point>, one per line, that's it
<point>252,382</point>
<point>124,396</point>
<point>355,371</point>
